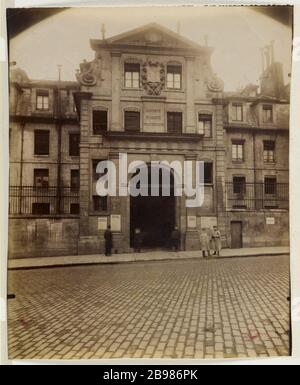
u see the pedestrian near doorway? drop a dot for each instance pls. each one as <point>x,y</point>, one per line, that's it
<point>205,243</point>
<point>138,240</point>
<point>108,237</point>
<point>175,239</point>
<point>216,237</point>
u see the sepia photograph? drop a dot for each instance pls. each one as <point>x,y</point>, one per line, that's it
<point>149,182</point>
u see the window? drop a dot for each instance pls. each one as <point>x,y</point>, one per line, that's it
<point>100,203</point>
<point>174,122</point>
<point>41,142</point>
<point>41,177</point>
<point>237,151</point>
<point>174,75</point>
<point>41,208</point>
<point>205,125</point>
<point>42,100</point>
<point>132,75</point>
<point>208,172</point>
<point>270,185</point>
<point>237,112</point>
<point>75,180</point>
<point>239,185</point>
<point>268,114</point>
<point>99,122</point>
<point>74,140</point>
<point>74,209</point>
<point>269,151</point>
<point>132,121</point>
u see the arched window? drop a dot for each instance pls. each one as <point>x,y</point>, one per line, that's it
<point>132,120</point>
<point>100,121</point>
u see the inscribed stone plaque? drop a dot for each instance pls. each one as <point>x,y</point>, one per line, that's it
<point>208,222</point>
<point>115,221</point>
<point>270,221</point>
<point>192,222</point>
<point>102,223</point>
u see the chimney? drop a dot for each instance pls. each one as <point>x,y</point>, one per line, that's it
<point>103,31</point>
<point>206,40</point>
<point>272,79</point>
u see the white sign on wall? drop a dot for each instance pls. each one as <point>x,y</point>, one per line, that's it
<point>208,222</point>
<point>270,221</point>
<point>115,222</point>
<point>102,223</point>
<point>192,222</point>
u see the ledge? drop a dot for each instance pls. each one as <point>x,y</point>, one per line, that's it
<point>152,136</point>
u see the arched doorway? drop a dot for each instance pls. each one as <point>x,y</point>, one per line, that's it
<point>155,216</point>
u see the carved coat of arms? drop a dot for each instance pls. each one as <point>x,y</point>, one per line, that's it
<point>215,84</point>
<point>89,72</point>
<point>153,77</point>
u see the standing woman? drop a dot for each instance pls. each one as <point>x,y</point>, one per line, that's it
<point>216,236</point>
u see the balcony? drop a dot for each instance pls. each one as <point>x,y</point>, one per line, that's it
<point>257,196</point>
<point>43,201</point>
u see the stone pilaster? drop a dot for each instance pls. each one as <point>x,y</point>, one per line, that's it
<point>190,98</point>
<point>220,170</point>
<point>116,118</point>
<point>84,168</point>
<point>191,235</point>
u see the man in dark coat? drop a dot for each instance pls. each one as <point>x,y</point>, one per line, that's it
<point>138,240</point>
<point>108,236</point>
<point>175,239</point>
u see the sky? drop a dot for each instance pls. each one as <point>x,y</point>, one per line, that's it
<point>235,33</point>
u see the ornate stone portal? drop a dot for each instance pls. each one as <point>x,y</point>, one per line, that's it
<point>153,77</point>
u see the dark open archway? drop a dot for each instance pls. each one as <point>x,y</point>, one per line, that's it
<point>155,216</point>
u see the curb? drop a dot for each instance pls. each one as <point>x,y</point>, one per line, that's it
<point>60,265</point>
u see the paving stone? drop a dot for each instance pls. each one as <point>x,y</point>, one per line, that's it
<point>173,309</point>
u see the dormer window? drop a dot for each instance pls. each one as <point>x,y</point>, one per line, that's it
<point>132,75</point>
<point>42,100</point>
<point>237,112</point>
<point>268,114</point>
<point>174,75</point>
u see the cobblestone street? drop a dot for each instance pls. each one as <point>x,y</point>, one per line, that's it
<point>223,308</point>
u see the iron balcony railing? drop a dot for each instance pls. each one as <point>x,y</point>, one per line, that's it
<point>33,200</point>
<point>257,196</point>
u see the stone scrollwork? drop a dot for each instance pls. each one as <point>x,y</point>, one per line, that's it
<point>153,77</point>
<point>89,72</point>
<point>215,84</point>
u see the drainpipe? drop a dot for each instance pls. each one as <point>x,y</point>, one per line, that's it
<point>254,171</point>
<point>59,141</point>
<point>21,166</point>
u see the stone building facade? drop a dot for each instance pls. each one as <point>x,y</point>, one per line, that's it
<point>153,95</point>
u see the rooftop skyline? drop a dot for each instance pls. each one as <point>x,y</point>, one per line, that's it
<point>236,33</point>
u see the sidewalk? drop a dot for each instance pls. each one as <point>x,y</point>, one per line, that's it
<point>147,256</point>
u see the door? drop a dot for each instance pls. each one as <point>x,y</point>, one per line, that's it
<point>155,216</point>
<point>236,235</point>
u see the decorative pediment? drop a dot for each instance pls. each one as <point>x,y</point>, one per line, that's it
<point>152,35</point>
